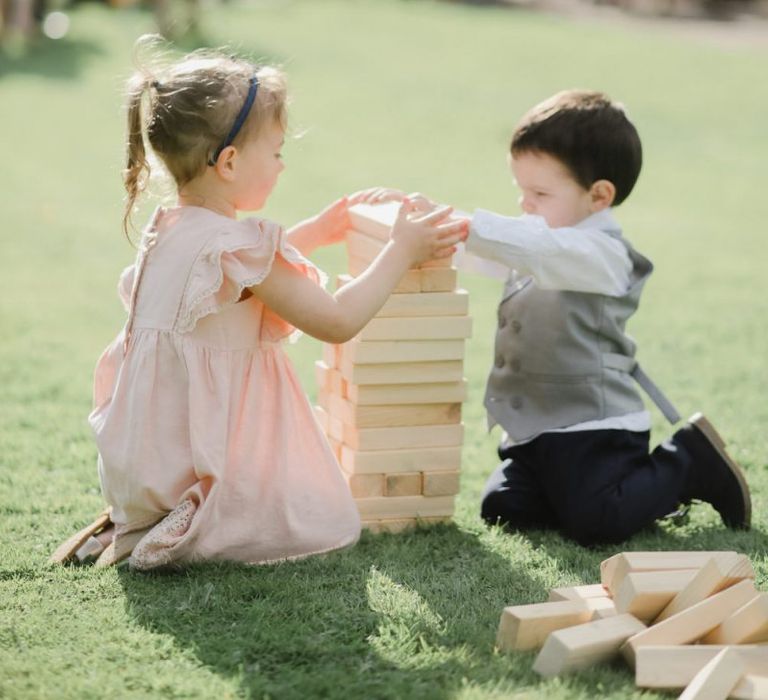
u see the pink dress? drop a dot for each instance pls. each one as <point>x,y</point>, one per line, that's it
<point>203,431</point>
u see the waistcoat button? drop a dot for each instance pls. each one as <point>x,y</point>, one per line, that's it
<point>517,402</point>
<point>502,322</point>
<point>516,326</point>
<point>499,361</point>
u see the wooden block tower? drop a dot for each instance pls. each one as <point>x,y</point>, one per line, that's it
<point>390,398</point>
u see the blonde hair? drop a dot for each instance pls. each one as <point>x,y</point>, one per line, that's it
<point>185,109</point>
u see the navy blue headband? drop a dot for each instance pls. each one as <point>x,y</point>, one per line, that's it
<point>239,121</point>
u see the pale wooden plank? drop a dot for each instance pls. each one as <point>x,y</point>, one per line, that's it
<point>752,687</point>
<point>441,483</point>
<point>716,680</point>
<point>404,484</point>
<point>417,328</point>
<point>438,279</point>
<point>423,459</point>
<point>404,507</point>
<point>388,394</point>
<point>525,627</point>
<point>367,352</point>
<point>403,372</point>
<point>645,594</point>
<point>455,303</point>
<point>403,437</point>
<point>590,590</point>
<point>390,416</point>
<point>748,625</point>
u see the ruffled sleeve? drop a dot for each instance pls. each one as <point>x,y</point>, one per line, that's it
<point>232,260</point>
<point>125,285</point>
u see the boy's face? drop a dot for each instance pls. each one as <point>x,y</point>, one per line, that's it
<point>548,189</point>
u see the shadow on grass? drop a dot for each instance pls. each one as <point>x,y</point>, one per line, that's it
<point>405,616</point>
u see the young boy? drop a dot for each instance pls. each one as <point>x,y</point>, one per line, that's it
<point>575,453</point>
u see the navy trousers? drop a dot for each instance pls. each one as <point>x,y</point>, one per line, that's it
<point>595,486</point>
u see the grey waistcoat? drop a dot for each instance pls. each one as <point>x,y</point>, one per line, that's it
<point>563,358</point>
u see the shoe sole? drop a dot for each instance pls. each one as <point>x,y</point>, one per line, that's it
<point>706,428</point>
<point>113,555</point>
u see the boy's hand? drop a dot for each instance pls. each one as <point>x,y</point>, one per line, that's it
<point>426,236</point>
<point>379,195</point>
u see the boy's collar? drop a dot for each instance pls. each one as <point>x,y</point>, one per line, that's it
<point>603,220</point>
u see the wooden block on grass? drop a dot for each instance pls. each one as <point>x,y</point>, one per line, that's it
<point>716,680</point>
<point>417,328</point>
<point>586,644</point>
<point>694,622</point>
<point>397,507</point>
<point>403,437</point>
<point>403,372</point>
<point>590,590</point>
<point>718,573</point>
<point>673,667</point>
<point>422,459</point>
<point>367,352</point>
<point>748,625</point>
<point>393,525</point>
<point>441,483</point>
<point>405,484</point>
<point>645,594</point>
<point>388,394</point>
<point>613,570</point>
<point>525,627</point>
<point>751,687</point>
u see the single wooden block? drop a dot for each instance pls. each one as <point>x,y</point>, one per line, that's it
<point>374,219</point>
<point>441,483</point>
<point>368,352</point>
<point>454,303</point>
<point>335,448</point>
<point>335,429</point>
<point>417,328</point>
<point>645,594</point>
<point>525,627</point>
<point>331,355</point>
<point>751,687</point>
<point>748,625</point>
<point>403,372</point>
<point>404,507</point>
<point>590,590</point>
<point>409,283</point>
<point>388,394</point>
<point>329,380</point>
<point>694,622</point>
<point>365,485</point>
<point>405,484</point>
<point>601,607</point>
<point>718,573</point>
<point>322,418</point>
<point>403,437</point>
<point>421,459</point>
<point>716,680</point>
<point>390,416</point>
<point>438,279</point>
<point>393,525</point>
<point>673,667</point>
<point>613,570</point>
<point>586,644</point>
<point>363,247</point>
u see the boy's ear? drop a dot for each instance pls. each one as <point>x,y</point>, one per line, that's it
<point>602,193</point>
<point>226,163</point>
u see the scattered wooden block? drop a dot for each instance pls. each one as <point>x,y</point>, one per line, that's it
<point>417,328</point>
<point>406,437</point>
<point>423,459</point>
<point>613,570</point>
<point>388,394</point>
<point>441,483</point>
<point>718,573</point>
<point>365,485</point>
<point>454,303</point>
<point>645,594</point>
<point>748,625</point>
<point>404,507</point>
<point>694,622</point>
<point>751,687</point>
<point>591,590</point>
<point>400,351</point>
<point>716,680</point>
<point>586,644</point>
<point>406,484</point>
<point>601,607</point>
<point>403,372</point>
<point>524,627</point>
<point>671,667</point>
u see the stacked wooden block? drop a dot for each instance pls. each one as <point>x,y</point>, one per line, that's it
<point>390,399</point>
<point>691,620</point>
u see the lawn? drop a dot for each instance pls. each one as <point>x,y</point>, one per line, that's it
<point>422,96</point>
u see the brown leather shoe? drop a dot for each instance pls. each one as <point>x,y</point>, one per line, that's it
<point>714,477</point>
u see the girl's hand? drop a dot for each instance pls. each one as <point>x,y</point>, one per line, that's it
<point>331,224</point>
<point>426,236</point>
<point>379,195</point>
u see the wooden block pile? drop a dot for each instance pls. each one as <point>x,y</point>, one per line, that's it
<point>390,399</point>
<point>690,620</point>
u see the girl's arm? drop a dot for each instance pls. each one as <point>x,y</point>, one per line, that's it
<point>335,318</point>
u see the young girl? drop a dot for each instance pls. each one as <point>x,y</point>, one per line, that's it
<point>208,448</point>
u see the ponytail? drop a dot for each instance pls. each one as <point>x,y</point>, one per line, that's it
<point>136,174</point>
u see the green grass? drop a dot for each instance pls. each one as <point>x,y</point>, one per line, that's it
<point>418,95</point>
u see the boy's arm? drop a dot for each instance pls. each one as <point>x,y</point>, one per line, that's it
<point>568,259</point>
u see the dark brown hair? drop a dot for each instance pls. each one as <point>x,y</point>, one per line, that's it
<point>185,110</point>
<point>586,132</point>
